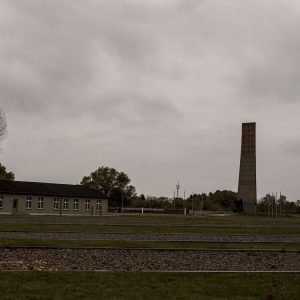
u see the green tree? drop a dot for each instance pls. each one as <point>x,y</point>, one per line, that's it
<point>114,184</point>
<point>219,200</point>
<point>265,205</point>
<point>4,175</point>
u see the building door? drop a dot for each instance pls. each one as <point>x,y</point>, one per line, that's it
<point>15,205</point>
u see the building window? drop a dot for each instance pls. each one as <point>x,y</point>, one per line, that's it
<point>98,205</point>
<point>1,201</point>
<point>66,204</point>
<point>40,203</point>
<point>28,202</point>
<point>87,204</point>
<point>56,204</point>
<point>75,204</point>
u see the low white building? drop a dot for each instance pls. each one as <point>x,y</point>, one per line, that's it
<point>38,198</point>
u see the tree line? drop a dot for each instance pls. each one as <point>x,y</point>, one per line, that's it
<point>219,200</point>
<point>116,187</point>
<point>120,193</point>
<point>269,203</point>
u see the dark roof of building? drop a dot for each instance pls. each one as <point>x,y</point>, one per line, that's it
<point>48,189</point>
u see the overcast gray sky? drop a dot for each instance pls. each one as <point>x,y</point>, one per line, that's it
<point>155,88</point>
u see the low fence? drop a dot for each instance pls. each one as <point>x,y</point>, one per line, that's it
<point>170,211</point>
<point>142,210</point>
<point>210,212</point>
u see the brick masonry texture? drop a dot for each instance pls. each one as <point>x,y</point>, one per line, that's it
<point>247,176</point>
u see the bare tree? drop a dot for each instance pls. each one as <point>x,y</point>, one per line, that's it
<point>2,124</point>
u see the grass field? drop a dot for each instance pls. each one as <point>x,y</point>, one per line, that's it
<point>145,285</point>
<point>128,219</point>
<point>123,285</point>
<point>149,229</point>
<point>143,244</point>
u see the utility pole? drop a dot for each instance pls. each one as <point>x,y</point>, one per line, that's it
<point>174,200</point>
<point>269,205</point>
<point>177,193</point>
<point>193,203</point>
<point>177,188</point>
<point>280,204</point>
<point>276,204</point>
<point>60,206</point>
<point>122,201</point>
<point>184,208</point>
<point>272,198</point>
<point>201,206</point>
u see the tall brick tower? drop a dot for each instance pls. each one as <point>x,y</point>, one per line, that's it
<point>247,176</point>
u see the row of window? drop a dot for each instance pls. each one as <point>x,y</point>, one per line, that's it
<point>40,203</point>
<point>248,141</point>
<point>247,152</point>
<point>56,203</point>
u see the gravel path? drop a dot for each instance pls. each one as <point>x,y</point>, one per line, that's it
<point>234,238</point>
<point>147,260</point>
